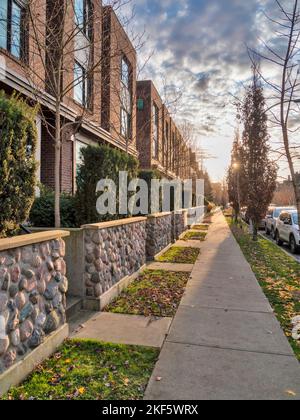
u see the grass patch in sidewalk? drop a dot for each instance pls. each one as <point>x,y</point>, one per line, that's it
<point>278,275</point>
<point>195,236</point>
<point>90,370</point>
<point>180,255</point>
<point>155,293</point>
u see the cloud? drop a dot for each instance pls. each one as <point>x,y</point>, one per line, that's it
<point>200,47</point>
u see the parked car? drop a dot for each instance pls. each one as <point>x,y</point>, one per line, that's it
<point>272,217</point>
<point>246,219</point>
<point>287,230</point>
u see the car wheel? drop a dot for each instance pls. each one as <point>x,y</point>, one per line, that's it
<point>278,240</point>
<point>293,246</point>
<point>273,234</point>
<point>267,230</point>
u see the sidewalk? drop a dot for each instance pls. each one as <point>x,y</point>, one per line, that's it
<point>225,342</point>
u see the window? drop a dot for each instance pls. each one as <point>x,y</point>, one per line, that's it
<point>82,85</point>
<point>126,102</point>
<point>295,218</point>
<point>155,118</point>
<point>166,146</point>
<point>83,16</point>
<point>12,25</point>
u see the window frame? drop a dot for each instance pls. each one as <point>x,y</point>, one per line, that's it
<point>87,86</point>
<point>126,114</point>
<point>155,129</point>
<point>23,43</point>
<point>86,26</point>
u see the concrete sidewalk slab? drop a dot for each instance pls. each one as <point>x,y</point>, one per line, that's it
<point>227,279</point>
<point>189,244</point>
<point>125,329</point>
<point>222,298</point>
<point>180,268</point>
<point>239,330</point>
<point>225,342</point>
<point>204,373</point>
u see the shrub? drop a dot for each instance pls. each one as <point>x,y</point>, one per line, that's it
<point>99,162</point>
<point>17,162</point>
<point>42,211</point>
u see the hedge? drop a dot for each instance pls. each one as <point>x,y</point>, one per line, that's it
<point>42,211</point>
<point>18,167</point>
<point>99,162</point>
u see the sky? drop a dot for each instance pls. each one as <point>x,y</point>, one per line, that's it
<point>198,48</point>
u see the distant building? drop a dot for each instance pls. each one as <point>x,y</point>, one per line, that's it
<point>160,143</point>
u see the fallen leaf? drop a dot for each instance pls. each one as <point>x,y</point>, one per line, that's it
<point>158,379</point>
<point>81,390</point>
<point>291,393</point>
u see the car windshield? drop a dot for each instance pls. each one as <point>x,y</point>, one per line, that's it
<point>295,218</point>
<point>277,212</point>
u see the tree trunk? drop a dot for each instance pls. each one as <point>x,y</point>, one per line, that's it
<point>57,166</point>
<point>254,230</point>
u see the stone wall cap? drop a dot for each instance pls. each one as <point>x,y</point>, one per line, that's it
<point>32,238</point>
<point>115,223</point>
<point>157,215</point>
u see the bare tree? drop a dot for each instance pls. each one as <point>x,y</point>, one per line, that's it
<point>285,88</point>
<point>284,195</point>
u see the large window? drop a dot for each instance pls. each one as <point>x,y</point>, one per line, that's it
<point>82,85</point>
<point>12,27</point>
<point>83,16</point>
<point>126,101</point>
<point>155,119</point>
<point>166,147</point>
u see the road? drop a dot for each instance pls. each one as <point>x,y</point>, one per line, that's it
<point>285,247</point>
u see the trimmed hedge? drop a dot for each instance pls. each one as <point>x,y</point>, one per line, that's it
<point>42,211</point>
<point>18,137</point>
<point>99,162</point>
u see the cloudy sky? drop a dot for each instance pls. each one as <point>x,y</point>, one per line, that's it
<point>199,49</point>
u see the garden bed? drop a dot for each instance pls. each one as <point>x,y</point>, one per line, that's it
<point>180,255</point>
<point>90,370</point>
<point>202,228</point>
<point>155,293</point>
<point>279,276</point>
<point>195,236</point>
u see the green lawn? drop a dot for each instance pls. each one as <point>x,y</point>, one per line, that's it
<point>195,236</point>
<point>180,255</point>
<point>278,275</point>
<point>156,293</point>
<point>90,370</point>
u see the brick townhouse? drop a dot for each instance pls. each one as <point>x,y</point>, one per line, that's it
<point>103,101</point>
<point>160,143</point>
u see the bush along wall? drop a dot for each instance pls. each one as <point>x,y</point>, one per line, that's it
<point>99,162</point>
<point>42,211</point>
<point>18,136</point>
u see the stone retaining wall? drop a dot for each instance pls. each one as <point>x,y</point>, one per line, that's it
<point>195,215</point>
<point>179,222</point>
<point>33,285</point>
<point>159,233</point>
<point>112,251</point>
